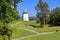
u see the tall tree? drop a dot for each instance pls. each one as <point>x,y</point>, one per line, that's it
<point>4,5</point>
<point>7,14</point>
<point>42,12</point>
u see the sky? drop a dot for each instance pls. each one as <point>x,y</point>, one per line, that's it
<point>29,5</point>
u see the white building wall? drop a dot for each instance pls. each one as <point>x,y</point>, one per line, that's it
<point>25,17</point>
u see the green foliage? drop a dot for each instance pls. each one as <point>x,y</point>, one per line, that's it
<point>42,12</point>
<point>55,16</point>
<point>5,31</point>
<point>7,13</point>
<point>11,15</point>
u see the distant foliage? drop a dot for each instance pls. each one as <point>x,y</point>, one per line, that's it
<point>55,16</point>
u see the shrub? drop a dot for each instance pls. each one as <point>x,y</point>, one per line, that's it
<point>5,31</point>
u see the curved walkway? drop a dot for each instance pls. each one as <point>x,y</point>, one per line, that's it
<point>33,35</point>
<point>29,30</point>
<point>37,33</point>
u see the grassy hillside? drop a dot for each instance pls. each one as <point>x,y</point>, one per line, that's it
<point>48,29</point>
<point>55,36</point>
<point>21,24</point>
<point>16,31</point>
<point>20,33</point>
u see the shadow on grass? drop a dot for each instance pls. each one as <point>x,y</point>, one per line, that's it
<point>36,26</point>
<point>54,26</point>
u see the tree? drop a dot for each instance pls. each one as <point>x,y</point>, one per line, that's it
<point>55,16</point>
<point>15,2</point>
<point>7,13</point>
<point>42,12</point>
<point>11,15</point>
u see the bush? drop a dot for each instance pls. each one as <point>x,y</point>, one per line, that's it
<point>5,31</point>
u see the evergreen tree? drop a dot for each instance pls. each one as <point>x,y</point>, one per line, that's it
<point>42,12</point>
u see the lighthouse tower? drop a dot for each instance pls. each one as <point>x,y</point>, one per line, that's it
<point>25,16</point>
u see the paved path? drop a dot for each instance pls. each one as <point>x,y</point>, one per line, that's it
<point>33,35</point>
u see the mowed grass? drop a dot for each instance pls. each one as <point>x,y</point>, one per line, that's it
<point>55,36</point>
<point>20,33</point>
<point>22,24</point>
<point>17,32</point>
<point>37,28</point>
<point>48,29</point>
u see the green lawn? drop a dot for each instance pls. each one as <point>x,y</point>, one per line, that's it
<point>20,33</point>
<point>33,22</point>
<point>48,29</point>
<point>21,24</point>
<point>55,36</point>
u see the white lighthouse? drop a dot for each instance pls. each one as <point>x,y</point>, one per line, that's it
<point>25,16</point>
